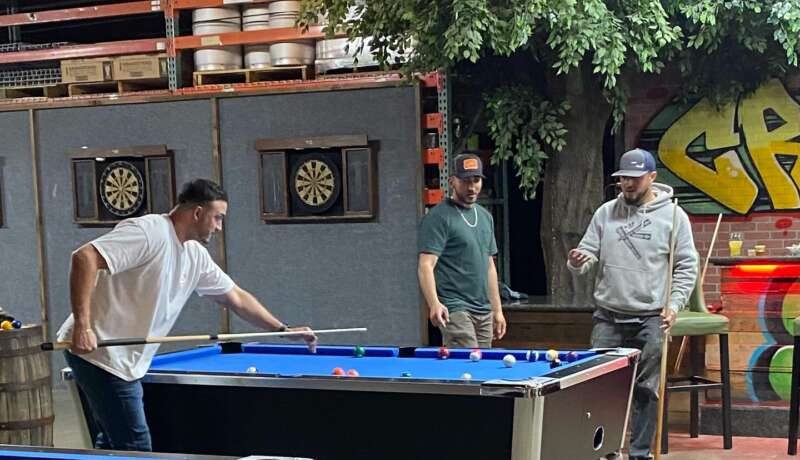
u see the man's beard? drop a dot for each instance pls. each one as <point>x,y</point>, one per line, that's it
<point>636,200</point>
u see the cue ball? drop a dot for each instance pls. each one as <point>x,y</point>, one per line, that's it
<point>466,376</point>
<point>475,355</point>
<point>551,355</point>
<point>251,370</point>
<point>509,360</point>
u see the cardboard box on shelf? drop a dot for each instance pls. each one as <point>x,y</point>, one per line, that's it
<point>140,66</point>
<point>87,70</point>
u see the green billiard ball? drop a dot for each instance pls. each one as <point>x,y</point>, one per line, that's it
<point>359,352</point>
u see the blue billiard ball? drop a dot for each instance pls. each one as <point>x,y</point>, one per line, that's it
<point>16,324</point>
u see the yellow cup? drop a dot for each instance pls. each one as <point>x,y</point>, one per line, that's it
<point>760,249</point>
<point>735,248</point>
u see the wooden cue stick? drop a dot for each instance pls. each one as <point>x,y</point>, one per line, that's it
<point>662,383</point>
<point>685,340</point>
<point>49,346</point>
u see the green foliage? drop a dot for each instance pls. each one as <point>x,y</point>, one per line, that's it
<point>732,47</point>
<point>723,48</point>
<point>524,128</point>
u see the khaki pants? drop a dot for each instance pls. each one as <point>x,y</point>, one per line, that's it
<point>468,330</point>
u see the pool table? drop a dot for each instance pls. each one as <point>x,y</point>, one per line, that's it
<point>14,452</point>
<point>233,399</point>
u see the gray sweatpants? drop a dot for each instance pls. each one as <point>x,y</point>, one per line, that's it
<point>644,333</point>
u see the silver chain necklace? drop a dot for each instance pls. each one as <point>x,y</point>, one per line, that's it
<point>475,211</point>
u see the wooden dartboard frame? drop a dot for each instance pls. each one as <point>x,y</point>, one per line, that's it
<point>277,163</point>
<point>95,160</point>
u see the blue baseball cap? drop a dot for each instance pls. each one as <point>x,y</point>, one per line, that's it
<point>636,163</point>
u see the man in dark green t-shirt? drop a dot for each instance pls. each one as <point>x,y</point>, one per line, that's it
<point>456,270</point>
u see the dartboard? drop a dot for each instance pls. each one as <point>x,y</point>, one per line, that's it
<point>316,182</point>
<point>121,188</point>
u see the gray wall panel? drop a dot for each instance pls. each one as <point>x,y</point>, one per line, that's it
<point>329,275</point>
<point>184,127</point>
<point>19,269</point>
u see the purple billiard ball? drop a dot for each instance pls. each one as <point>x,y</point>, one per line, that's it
<point>572,356</point>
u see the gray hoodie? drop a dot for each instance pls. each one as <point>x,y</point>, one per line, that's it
<point>630,245</point>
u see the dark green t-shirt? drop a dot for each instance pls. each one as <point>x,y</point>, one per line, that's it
<point>463,239</point>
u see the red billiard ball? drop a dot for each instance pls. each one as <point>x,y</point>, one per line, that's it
<point>444,353</point>
<point>338,371</point>
<point>352,373</point>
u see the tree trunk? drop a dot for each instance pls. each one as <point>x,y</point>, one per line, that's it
<point>573,186</point>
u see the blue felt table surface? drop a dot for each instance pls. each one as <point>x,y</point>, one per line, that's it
<point>21,454</point>
<point>292,361</point>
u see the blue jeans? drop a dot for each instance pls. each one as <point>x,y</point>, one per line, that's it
<point>116,406</point>
<point>614,330</point>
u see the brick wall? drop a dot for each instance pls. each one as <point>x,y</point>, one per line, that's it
<point>756,229</point>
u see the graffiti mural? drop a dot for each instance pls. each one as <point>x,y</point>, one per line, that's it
<point>737,159</point>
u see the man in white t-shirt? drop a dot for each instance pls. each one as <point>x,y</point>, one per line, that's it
<point>134,282</point>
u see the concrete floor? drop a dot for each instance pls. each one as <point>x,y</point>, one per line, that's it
<point>66,433</point>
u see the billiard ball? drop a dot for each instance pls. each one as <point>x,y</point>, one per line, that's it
<point>352,373</point>
<point>359,352</point>
<point>466,376</point>
<point>405,374</point>
<point>338,371</point>
<point>475,355</point>
<point>509,360</point>
<point>551,355</point>
<point>251,370</point>
<point>555,363</point>
<point>6,325</point>
<point>444,353</point>
<point>16,323</point>
<point>533,356</point>
<point>572,356</point>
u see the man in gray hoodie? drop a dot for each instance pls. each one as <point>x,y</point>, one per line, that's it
<point>628,240</point>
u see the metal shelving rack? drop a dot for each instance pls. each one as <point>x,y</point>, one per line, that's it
<point>171,43</point>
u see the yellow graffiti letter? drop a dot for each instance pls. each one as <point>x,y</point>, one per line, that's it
<point>728,183</point>
<point>764,145</point>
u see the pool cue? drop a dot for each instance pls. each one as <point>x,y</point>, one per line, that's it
<point>662,383</point>
<point>50,346</point>
<point>685,341</point>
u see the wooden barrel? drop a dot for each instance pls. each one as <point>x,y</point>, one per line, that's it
<point>26,397</point>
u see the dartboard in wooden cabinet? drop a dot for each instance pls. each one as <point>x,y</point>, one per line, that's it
<point>121,189</point>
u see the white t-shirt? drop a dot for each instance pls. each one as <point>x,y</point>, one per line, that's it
<point>149,279</point>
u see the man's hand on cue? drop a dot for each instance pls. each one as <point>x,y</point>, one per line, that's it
<point>310,338</point>
<point>669,319</point>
